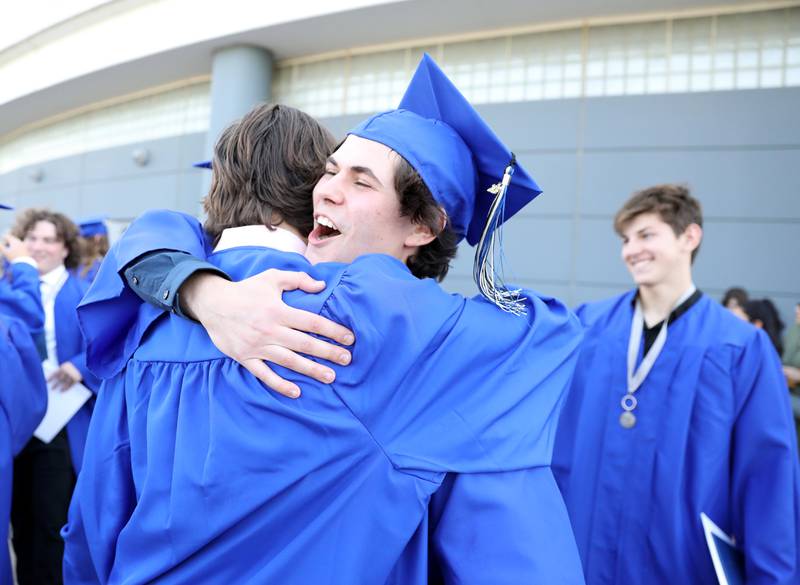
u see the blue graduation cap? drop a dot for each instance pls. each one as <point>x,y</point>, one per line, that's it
<point>206,164</point>
<point>4,206</point>
<point>93,226</point>
<point>467,168</point>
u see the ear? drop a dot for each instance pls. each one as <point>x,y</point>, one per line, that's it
<point>420,235</point>
<point>692,237</point>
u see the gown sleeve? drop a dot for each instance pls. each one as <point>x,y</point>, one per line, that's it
<point>104,496</point>
<point>112,317</point>
<point>23,399</point>
<point>23,391</point>
<point>20,296</point>
<point>463,386</point>
<point>765,473</point>
<point>502,528</point>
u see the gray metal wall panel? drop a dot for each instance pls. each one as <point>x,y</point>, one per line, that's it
<point>731,118</point>
<point>55,173</point>
<point>597,255</point>
<point>109,182</point>
<point>117,163</point>
<point>65,199</point>
<point>739,151</point>
<point>341,124</point>
<point>550,124</point>
<point>127,198</point>
<point>744,184</point>
<point>557,176</point>
<point>762,255</point>
<point>191,190</point>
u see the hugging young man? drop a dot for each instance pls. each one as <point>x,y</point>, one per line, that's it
<point>212,475</point>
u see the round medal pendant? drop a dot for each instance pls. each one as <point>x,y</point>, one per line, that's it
<point>627,419</point>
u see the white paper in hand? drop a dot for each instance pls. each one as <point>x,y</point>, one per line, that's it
<point>61,407</point>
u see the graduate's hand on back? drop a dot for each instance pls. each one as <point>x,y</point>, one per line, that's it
<point>249,322</point>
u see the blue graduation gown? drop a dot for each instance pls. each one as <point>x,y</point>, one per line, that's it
<point>71,347</point>
<point>20,297</point>
<point>373,450</point>
<point>113,319</point>
<point>91,273</point>
<point>23,400</point>
<point>478,531</point>
<point>714,434</point>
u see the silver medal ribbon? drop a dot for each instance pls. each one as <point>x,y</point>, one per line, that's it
<point>636,376</point>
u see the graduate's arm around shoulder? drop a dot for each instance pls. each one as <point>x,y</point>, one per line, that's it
<point>159,265</point>
<point>765,470</point>
<point>447,384</point>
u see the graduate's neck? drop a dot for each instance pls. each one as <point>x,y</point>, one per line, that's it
<point>658,300</point>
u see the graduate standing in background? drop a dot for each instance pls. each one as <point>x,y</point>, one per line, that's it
<point>44,473</point>
<point>428,367</point>
<point>94,247</point>
<point>23,400</point>
<point>677,408</point>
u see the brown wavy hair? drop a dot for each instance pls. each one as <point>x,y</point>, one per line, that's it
<point>416,202</point>
<point>66,231</point>
<point>674,204</point>
<point>264,170</point>
<point>92,248</point>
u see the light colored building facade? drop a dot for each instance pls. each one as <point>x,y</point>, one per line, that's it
<point>106,109</point>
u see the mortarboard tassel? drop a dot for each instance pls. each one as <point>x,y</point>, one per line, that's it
<point>489,252</point>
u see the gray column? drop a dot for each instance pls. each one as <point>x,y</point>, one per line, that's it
<point>241,77</point>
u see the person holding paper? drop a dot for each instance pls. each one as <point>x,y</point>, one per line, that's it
<point>677,408</point>
<point>44,473</point>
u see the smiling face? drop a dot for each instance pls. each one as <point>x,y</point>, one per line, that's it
<point>357,208</point>
<point>45,246</point>
<point>653,253</point>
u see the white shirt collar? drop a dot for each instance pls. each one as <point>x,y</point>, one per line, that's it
<point>53,277</point>
<point>259,235</point>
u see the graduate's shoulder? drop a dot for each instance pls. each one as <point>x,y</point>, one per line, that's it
<point>539,310</point>
<point>378,275</point>
<point>728,329</point>
<point>165,217</point>
<point>14,335</point>
<point>176,340</point>
<point>600,312</point>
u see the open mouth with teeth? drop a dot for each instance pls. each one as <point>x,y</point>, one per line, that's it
<point>324,229</point>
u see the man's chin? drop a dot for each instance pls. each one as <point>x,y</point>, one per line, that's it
<point>318,254</point>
